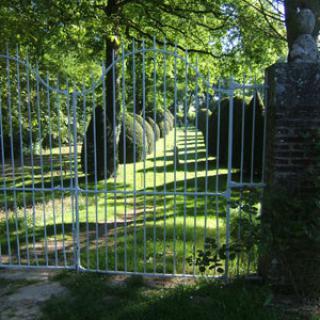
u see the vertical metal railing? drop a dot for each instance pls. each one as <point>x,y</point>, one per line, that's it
<point>76,179</point>
<point>145,216</point>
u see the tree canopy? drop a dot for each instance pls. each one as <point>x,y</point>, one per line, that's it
<point>72,37</point>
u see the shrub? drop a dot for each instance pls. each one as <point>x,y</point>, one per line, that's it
<point>149,133</point>
<point>7,146</point>
<point>180,119</point>
<point>239,105</point>
<point>203,119</point>
<point>165,122</point>
<point>133,140</point>
<point>155,127</point>
<point>48,139</point>
<point>258,135</point>
<point>191,117</point>
<point>164,128</point>
<point>170,117</point>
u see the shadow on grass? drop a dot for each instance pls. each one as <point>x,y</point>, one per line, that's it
<point>158,243</point>
<point>135,299</point>
<point>29,199</point>
<point>181,157</point>
<point>141,237</point>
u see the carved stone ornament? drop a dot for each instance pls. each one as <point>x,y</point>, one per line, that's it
<point>304,48</point>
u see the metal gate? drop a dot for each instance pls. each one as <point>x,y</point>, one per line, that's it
<point>144,170</point>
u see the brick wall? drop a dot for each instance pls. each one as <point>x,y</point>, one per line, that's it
<point>290,253</point>
<point>293,124</point>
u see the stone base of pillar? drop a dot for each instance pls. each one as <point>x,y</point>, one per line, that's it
<point>290,253</point>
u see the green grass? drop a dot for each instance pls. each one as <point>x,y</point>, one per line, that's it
<point>132,232</point>
<point>92,296</point>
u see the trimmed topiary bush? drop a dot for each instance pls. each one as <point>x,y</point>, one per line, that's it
<point>7,147</point>
<point>165,123</point>
<point>203,119</point>
<point>154,127</point>
<point>180,119</point>
<point>149,134</point>
<point>224,129</point>
<point>98,158</point>
<point>258,134</point>
<point>239,104</point>
<point>133,140</point>
<point>45,143</point>
<point>170,117</point>
<point>164,128</point>
<point>191,118</point>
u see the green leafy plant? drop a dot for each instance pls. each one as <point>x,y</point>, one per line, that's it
<point>209,258</point>
<point>243,241</point>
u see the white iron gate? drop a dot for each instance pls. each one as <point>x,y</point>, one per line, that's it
<point>137,172</point>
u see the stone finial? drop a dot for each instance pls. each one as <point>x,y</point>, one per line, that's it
<point>304,48</point>
<point>306,21</point>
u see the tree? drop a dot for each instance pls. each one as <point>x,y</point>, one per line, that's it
<point>229,33</point>
<point>73,37</point>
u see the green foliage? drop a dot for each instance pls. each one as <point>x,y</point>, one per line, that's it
<point>191,118</point>
<point>134,140</point>
<point>148,132</point>
<point>154,127</point>
<point>66,37</point>
<point>69,40</point>
<point>210,258</point>
<point>245,236</point>
<point>203,122</point>
<point>240,108</point>
<point>245,229</point>
<point>165,122</point>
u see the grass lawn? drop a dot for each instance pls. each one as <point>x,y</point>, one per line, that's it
<point>91,296</point>
<point>146,219</point>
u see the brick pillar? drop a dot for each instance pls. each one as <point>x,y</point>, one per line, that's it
<point>290,256</point>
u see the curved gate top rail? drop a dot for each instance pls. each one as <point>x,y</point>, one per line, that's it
<point>135,178</point>
<point>124,54</point>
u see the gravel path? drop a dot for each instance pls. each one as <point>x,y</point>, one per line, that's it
<point>23,292</point>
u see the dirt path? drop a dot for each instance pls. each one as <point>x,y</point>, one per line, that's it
<point>22,293</point>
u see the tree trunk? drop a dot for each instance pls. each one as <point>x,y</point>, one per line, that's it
<point>112,85</point>
<point>112,116</point>
<point>291,9</point>
<point>99,158</point>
